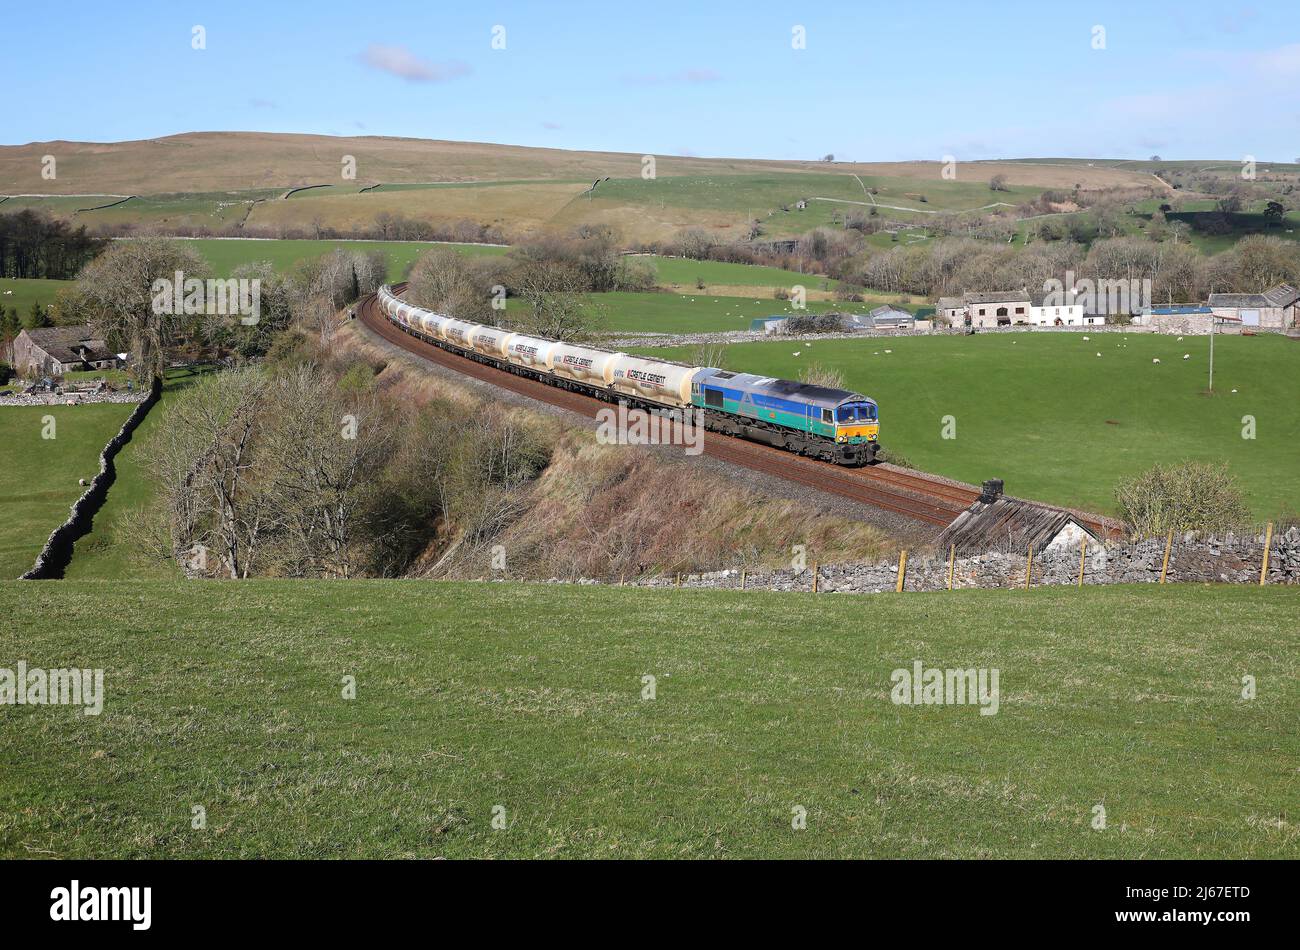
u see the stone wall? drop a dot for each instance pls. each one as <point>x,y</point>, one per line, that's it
<point>57,553</point>
<point>1230,559</point>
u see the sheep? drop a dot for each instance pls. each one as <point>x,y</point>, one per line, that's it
<point>1156,360</point>
<point>1187,356</point>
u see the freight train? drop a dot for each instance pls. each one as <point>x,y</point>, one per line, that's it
<point>817,421</point>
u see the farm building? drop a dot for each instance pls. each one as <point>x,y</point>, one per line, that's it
<point>986,309</point>
<point>848,322</point>
<point>54,351</point>
<point>1187,318</point>
<point>1046,311</point>
<point>1014,308</point>
<point>891,318</point>
<point>1275,308</point>
<point>995,522</point>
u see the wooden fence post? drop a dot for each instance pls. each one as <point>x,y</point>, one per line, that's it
<point>679,579</point>
<point>622,579</point>
<point>742,579</point>
<point>902,572</point>
<point>1169,543</point>
<point>1083,558</point>
<point>1268,542</point>
<point>1029,567</point>
<point>952,561</point>
<point>815,573</point>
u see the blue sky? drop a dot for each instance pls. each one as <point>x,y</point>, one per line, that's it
<point>876,82</point>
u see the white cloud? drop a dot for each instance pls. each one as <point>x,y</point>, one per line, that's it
<point>400,61</point>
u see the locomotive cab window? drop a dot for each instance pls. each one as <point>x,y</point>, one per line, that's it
<point>713,398</point>
<point>827,417</point>
<point>858,412</point>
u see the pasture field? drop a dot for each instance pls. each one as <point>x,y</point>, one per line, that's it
<point>38,476</point>
<point>20,293</point>
<point>696,313</point>
<point>1060,423</point>
<point>683,273</point>
<point>106,553</point>
<point>225,255</point>
<point>470,696</point>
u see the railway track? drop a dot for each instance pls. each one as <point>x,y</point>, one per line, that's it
<point>913,495</point>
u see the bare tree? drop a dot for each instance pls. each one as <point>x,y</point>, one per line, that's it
<point>117,294</point>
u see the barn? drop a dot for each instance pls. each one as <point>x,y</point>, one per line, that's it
<point>1274,309</point>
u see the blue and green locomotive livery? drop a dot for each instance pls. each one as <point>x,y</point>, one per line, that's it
<point>819,421</point>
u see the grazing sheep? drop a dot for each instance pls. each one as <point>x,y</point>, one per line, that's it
<point>1187,356</point>
<point>1156,360</point>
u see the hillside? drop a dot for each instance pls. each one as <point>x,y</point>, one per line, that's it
<point>470,696</point>
<point>243,180</point>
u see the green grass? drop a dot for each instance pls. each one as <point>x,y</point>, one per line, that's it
<point>761,193</point>
<point>685,273</point>
<point>1060,424</point>
<point>226,255</point>
<point>38,476</point>
<point>470,696</point>
<point>26,291</point>
<point>692,313</point>
<point>106,553</point>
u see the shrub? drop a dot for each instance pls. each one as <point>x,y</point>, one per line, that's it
<point>818,375</point>
<point>1187,496</point>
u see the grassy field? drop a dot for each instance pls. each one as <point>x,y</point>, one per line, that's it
<point>106,552</point>
<point>691,313</point>
<point>220,179</point>
<point>38,476</point>
<point>1062,424</point>
<point>469,696</point>
<point>226,255</point>
<point>20,293</point>
<point>685,273</point>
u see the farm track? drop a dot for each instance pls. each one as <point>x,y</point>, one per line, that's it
<point>902,492</point>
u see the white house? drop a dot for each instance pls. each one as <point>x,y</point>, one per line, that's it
<point>1015,308</point>
<point>1045,311</point>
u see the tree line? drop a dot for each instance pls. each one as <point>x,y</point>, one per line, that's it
<point>38,245</point>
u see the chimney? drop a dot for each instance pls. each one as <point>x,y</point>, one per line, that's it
<point>992,491</point>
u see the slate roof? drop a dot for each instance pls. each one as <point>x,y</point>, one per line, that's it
<point>68,344</point>
<point>998,296</point>
<point>1068,299</point>
<point>1005,524</point>
<point>1283,295</point>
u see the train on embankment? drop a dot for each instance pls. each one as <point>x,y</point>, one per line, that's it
<point>817,421</point>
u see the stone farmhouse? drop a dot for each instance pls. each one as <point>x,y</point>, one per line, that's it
<point>1013,308</point>
<point>53,351</point>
